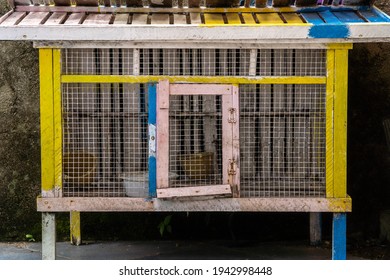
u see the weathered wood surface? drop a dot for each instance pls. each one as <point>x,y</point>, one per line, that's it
<point>84,204</point>
<point>214,190</point>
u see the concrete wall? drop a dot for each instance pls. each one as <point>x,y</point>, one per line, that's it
<point>369,104</point>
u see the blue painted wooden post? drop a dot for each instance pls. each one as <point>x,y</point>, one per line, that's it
<point>152,113</point>
<point>339,246</point>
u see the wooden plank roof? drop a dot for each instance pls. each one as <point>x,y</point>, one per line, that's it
<point>315,22</point>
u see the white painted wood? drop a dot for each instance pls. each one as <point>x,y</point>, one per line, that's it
<point>200,89</point>
<point>227,138</point>
<point>179,19</point>
<point>13,19</point>
<point>162,134</point>
<point>236,142</point>
<point>139,19</point>
<point>364,32</point>
<point>97,19</point>
<point>100,204</point>
<point>56,18</point>
<point>159,19</point>
<point>48,236</point>
<point>34,18</point>
<point>195,19</point>
<point>75,18</point>
<point>121,19</point>
<point>194,191</point>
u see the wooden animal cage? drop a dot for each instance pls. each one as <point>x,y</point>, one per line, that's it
<point>220,107</point>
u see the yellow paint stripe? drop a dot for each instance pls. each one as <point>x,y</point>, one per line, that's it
<point>233,18</point>
<point>248,18</point>
<point>329,123</point>
<point>57,108</point>
<point>292,18</point>
<point>75,227</point>
<point>47,130</point>
<point>269,18</point>
<point>192,79</point>
<point>340,123</point>
<point>213,19</point>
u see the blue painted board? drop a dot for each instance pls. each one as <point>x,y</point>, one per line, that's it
<point>329,17</point>
<point>152,119</point>
<point>313,18</point>
<point>374,16</point>
<point>348,17</point>
<point>339,236</point>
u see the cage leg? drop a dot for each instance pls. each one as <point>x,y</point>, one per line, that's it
<point>339,236</point>
<point>75,228</point>
<point>315,229</point>
<point>48,236</point>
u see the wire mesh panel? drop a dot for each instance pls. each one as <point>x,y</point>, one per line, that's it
<point>282,140</point>
<point>105,140</point>
<point>195,127</point>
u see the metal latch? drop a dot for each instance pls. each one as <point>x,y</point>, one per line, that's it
<point>232,167</point>
<point>232,115</point>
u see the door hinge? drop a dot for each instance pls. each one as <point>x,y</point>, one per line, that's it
<point>232,167</point>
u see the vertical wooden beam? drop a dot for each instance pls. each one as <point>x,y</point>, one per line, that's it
<point>57,109</point>
<point>315,229</point>
<point>75,228</point>
<point>48,236</point>
<point>152,106</point>
<point>340,123</point>
<point>330,61</point>
<point>236,140</point>
<point>47,117</point>
<point>228,118</point>
<point>339,246</point>
<point>163,134</point>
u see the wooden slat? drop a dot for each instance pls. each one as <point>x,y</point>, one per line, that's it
<point>199,89</point>
<point>269,18</point>
<point>97,19</point>
<point>139,19</point>
<point>98,204</point>
<point>75,18</point>
<point>56,18</point>
<point>213,19</point>
<point>248,18</point>
<point>121,19</point>
<point>233,18</point>
<point>179,19</point>
<point>14,19</point>
<point>194,191</point>
<point>160,19</point>
<point>34,18</point>
<point>195,18</point>
<point>292,18</point>
<point>348,17</point>
<point>227,137</point>
<point>235,183</point>
<point>162,134</point>
<point>313,18</point>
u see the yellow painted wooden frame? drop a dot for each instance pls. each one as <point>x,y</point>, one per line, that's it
<point>51,121</point>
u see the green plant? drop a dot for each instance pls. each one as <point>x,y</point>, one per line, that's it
<point>165,225</point>
<point>30,238</point>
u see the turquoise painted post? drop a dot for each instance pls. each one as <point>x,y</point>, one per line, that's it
<point>339,246</point>
<point>152,98</point>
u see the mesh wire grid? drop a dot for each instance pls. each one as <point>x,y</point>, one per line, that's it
<point>282,127</point>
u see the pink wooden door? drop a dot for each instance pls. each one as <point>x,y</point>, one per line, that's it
<point>197,140</point>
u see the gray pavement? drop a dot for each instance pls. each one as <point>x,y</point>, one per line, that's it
<point>169,250</point>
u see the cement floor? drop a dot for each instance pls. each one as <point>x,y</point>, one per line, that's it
<point>170,250</point>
